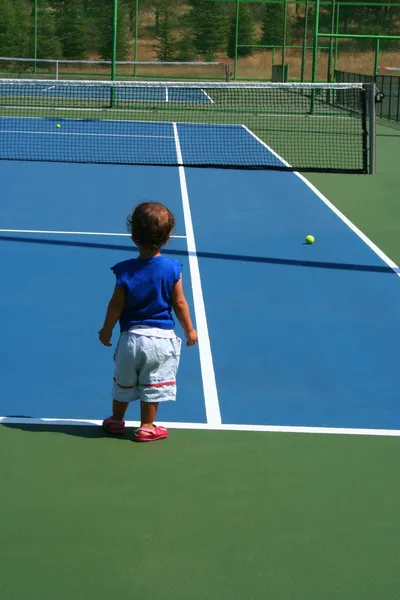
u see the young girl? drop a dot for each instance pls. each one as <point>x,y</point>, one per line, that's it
<point>148,351</point>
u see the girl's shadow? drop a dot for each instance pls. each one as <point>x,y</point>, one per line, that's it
<point>82,431</point>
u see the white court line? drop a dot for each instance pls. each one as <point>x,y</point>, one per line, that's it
<point>206,361</point>
<point>209,97</point>
<point>209,427</point>
<point>166,94</point>
<point>52,87</point>
<point>333,208</point>
<point>85,134</point>
<point>180,237</point>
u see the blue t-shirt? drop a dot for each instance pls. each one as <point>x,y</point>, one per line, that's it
<point>148,284</point>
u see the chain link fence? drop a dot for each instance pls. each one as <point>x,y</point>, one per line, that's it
<point>256,36</point>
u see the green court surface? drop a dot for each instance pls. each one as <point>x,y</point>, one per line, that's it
<point>211,515</point>
<point>218,515</point>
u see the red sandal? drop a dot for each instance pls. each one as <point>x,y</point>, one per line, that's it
<point>112,426</point>
<point>143,434</point>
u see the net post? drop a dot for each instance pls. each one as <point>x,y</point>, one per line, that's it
<point>370,90</point>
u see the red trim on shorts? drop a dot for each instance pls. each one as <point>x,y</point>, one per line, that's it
<point>124,387</point>
<point>156,385</point>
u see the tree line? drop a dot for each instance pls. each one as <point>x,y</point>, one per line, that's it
<point>68,29</point>
<point>182,29</point>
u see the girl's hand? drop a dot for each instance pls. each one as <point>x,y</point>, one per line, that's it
<point>114,311</point>
<point>191,337</point>
<point>105,337</point>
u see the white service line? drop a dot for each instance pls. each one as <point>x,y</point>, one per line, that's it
<point>206,361</point>
<point>166,95</point>
<point>182,237</point>
<point>208,426</point>
<point>333,208</point>
<point>209,97</point>
<point>84,134</point>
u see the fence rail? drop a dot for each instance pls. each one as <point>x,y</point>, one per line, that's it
<point>124,69</point>
<point>389,85</point>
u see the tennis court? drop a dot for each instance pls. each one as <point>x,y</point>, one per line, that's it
<point>292,339</point>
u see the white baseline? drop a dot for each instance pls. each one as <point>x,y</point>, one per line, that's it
<point>208,426</point>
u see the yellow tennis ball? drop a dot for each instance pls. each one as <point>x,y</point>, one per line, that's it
<point>310,239</point>
<point>58,125</point>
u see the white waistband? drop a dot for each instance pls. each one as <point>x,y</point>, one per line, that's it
<point>153,332</point>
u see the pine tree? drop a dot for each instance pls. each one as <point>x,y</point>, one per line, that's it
<point>91,10</point>
<point>272,25</point>
<point>7,29</point>
<point>48,44</point>
<point>72,28</point>
<point>166,48</point>
<point>158,8</point>
<point>23,37</point>
<point>186,51</point>
<point>209,23</point>
<point>246,33</point>
<point>105,27</point>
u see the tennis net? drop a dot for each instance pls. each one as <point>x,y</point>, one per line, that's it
<point>280,126</point>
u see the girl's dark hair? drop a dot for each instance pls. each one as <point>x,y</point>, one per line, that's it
<point>150,225</point>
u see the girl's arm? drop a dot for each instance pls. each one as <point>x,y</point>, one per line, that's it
<point>114,311</point>
<point>182,312</point>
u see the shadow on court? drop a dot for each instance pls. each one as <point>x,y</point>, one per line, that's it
<point>82,431</point>
<point>214,255</point>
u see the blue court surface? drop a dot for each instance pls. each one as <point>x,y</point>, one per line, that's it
<point>291,335</point>
<point>125,142</point>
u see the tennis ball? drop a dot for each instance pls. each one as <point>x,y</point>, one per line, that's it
<point>58,125</point>
<point>310,239</point>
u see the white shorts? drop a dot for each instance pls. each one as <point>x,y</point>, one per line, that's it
<point>145,368</point>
